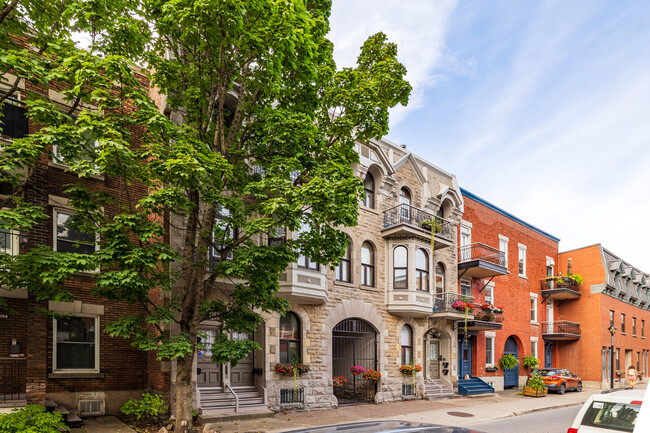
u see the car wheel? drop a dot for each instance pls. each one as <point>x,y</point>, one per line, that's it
<point>579,387</point>
<point>562,389</point>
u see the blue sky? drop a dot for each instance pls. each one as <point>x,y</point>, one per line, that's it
<point>540,107</point>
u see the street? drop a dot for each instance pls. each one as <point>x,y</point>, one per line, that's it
<point>549,421</point>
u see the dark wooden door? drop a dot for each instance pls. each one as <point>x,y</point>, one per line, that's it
<point>511,375</point>
<point>242,373</point>
<point>548,355</point>
<point>465,357</point>
<point>208,372</point>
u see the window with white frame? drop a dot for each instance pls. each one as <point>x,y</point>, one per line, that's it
<point>489,348</point>
<point>465,288</point>
<point>533,308</point>
<point>465,241</point>
<point>533,347</point>
<point>304,261</point>
<point>503,246</point>
<point>342,271</point>
<point>522,260</point>
<point>68,239</point>
<point>84,149</point>
<point>76,343</point>
<point>8,242</point>
<point>489,293</point>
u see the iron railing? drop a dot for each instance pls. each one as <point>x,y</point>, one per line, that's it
<point>486,316</point>
<point>415,217</point>
<point>479,251</point>
<point>12,379</point>
<point>559,282</point>
<point>561,327</point>
<point>445,301</point>
<point>290,395</point>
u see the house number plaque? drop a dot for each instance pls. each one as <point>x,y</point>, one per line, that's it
<point>4,316</point>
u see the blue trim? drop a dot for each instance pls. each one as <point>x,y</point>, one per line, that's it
<point>506,214</point>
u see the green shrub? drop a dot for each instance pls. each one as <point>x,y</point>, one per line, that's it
<point>535,381</point>
<point>508,361</point>
<point>151,406</point>
<point>32,419</point>
<point>531,361</point>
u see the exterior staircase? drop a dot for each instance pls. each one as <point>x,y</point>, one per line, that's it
<point>473,386</point>
<point>436,388</point>
<point>217,401</point>
<point>71,420</point>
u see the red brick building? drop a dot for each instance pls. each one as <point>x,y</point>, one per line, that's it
<point>69,359</point>
<point>501,261</point>
<point>613,292</point>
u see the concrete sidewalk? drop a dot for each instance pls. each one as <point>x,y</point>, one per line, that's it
<point>461,411</point>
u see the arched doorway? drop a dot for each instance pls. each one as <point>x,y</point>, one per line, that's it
<point>354,343</point>
<point>511,375</point>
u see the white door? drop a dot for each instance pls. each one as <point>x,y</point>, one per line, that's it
<point>549,315</point>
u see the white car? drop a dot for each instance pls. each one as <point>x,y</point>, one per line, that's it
<point>614,412</point>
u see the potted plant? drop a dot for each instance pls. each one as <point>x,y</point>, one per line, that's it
<point>357,370</point>
<point>338,381</point>
<point>535,386</point>
<point>508,361</point>
<point>491,367</point>
<point>372,375</point>
<point>531,361</point>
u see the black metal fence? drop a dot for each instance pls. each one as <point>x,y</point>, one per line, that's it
<point>445,301</point>
<point>415,217</point>
<point>407,389</point>
<point>354,343</point>
<point>479,251</point>
<point>561,327</point>
<point>291,395</point>
<point>12,379</point>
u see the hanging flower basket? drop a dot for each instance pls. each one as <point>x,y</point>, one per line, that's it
<point>409,369</point>
<point>357,370</point>
<point>339,381</point>
<point>462,306</point>
<point>290,369</point>
<point>372,375</point>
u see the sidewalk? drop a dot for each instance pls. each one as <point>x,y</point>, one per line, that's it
<point>457,412</point>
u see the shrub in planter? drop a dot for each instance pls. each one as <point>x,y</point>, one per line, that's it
<point>151,406</point>
<point>531,361</point>
<point>32,419</point>
<point>508,361</point>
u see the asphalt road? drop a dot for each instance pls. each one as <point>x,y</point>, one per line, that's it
<point>548,421</point>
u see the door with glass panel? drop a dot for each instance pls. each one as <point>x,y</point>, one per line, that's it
<point>208,372</point>
<point>433,356</point>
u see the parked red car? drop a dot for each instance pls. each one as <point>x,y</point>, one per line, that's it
<point>560,380</point>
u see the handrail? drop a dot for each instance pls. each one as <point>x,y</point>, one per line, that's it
<point>479,251</point>
<point>561,327</point>
<point>234,395</point>
<point>258,385</point>
<point>416,217</point>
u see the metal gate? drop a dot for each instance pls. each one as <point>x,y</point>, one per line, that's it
<point>354,343</point>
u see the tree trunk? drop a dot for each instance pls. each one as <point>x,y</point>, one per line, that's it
<point>184,395</point>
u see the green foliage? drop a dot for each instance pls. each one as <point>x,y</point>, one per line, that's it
<point>151,406</point>
<point>531,361</point>
<point>535,381</point>
<point>577,278</point>
<point>508,361</point>
<point>32,419</point>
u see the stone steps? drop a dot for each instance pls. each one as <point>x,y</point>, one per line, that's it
<point>434,389</point>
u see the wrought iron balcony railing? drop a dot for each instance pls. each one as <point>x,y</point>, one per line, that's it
<point>445,301</point>
<point>479,251</point>
<point>559,282</point>
<point>561,327</point>
<point>415,217</point>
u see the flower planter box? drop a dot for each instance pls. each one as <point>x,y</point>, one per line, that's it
<point>532,392</point>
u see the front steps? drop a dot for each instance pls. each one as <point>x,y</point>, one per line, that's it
<point>436,388</point>
<point>473,386</point>
<point>70,419</point>
<point>218,403</point>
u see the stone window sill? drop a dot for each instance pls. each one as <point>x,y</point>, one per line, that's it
<point>75,375</point>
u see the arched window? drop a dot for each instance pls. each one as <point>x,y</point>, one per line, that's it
<point>369,191</point>
<point>367,265</point>
<point>404,196</point>
<point>400,263</point>
<point>407,345</point>
<point>343,269</point>
<point>289,338</point>
<point>440,280</point>
<point>422,270</point>
<point>405,204</point>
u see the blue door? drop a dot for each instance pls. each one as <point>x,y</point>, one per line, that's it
<point>464,357</point>
<point>511,375</point>
<point>548,355</point>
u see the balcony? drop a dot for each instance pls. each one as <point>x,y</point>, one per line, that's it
<point>410,303</point>
<point>561,330</point>
<point>481,261</point>
<point>485,319</point>
<point>304,286</point>
<point>443,306</point>
<point>406,220</point>
<point>560,288</point>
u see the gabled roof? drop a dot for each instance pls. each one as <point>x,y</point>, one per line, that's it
<point>414,166</point>
<point>381,156</point>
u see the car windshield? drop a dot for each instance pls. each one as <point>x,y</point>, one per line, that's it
<point>549,373</point>
<point>613,416</point>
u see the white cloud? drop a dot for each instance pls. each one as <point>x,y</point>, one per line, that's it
<point>417,26</point>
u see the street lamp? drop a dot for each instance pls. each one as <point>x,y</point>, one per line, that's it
<point>612,330</point>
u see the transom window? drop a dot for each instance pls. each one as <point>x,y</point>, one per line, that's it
<point>422,270</point>
<point>369,191</point>
<point>367,265</point>
<point>69,240</point>
<point>289,338</point>
<point>343,269</point>
<point>400,263</point>
<point>407,345</point>
<point>76,343</point>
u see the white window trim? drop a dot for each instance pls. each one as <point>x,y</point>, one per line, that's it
<point>505,252</point>
<point>54,346</point>
<point>490,336</point>
<point>466,282</point>
<point>534,340</point>
<point>521,248</point>
<point>535,297</point>
<point>490,286</point>
<point>68,211</point>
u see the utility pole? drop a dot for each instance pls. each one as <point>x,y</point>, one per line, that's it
<point>612,330</point>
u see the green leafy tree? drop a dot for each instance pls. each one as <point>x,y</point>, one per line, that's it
<point>254,133</point>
